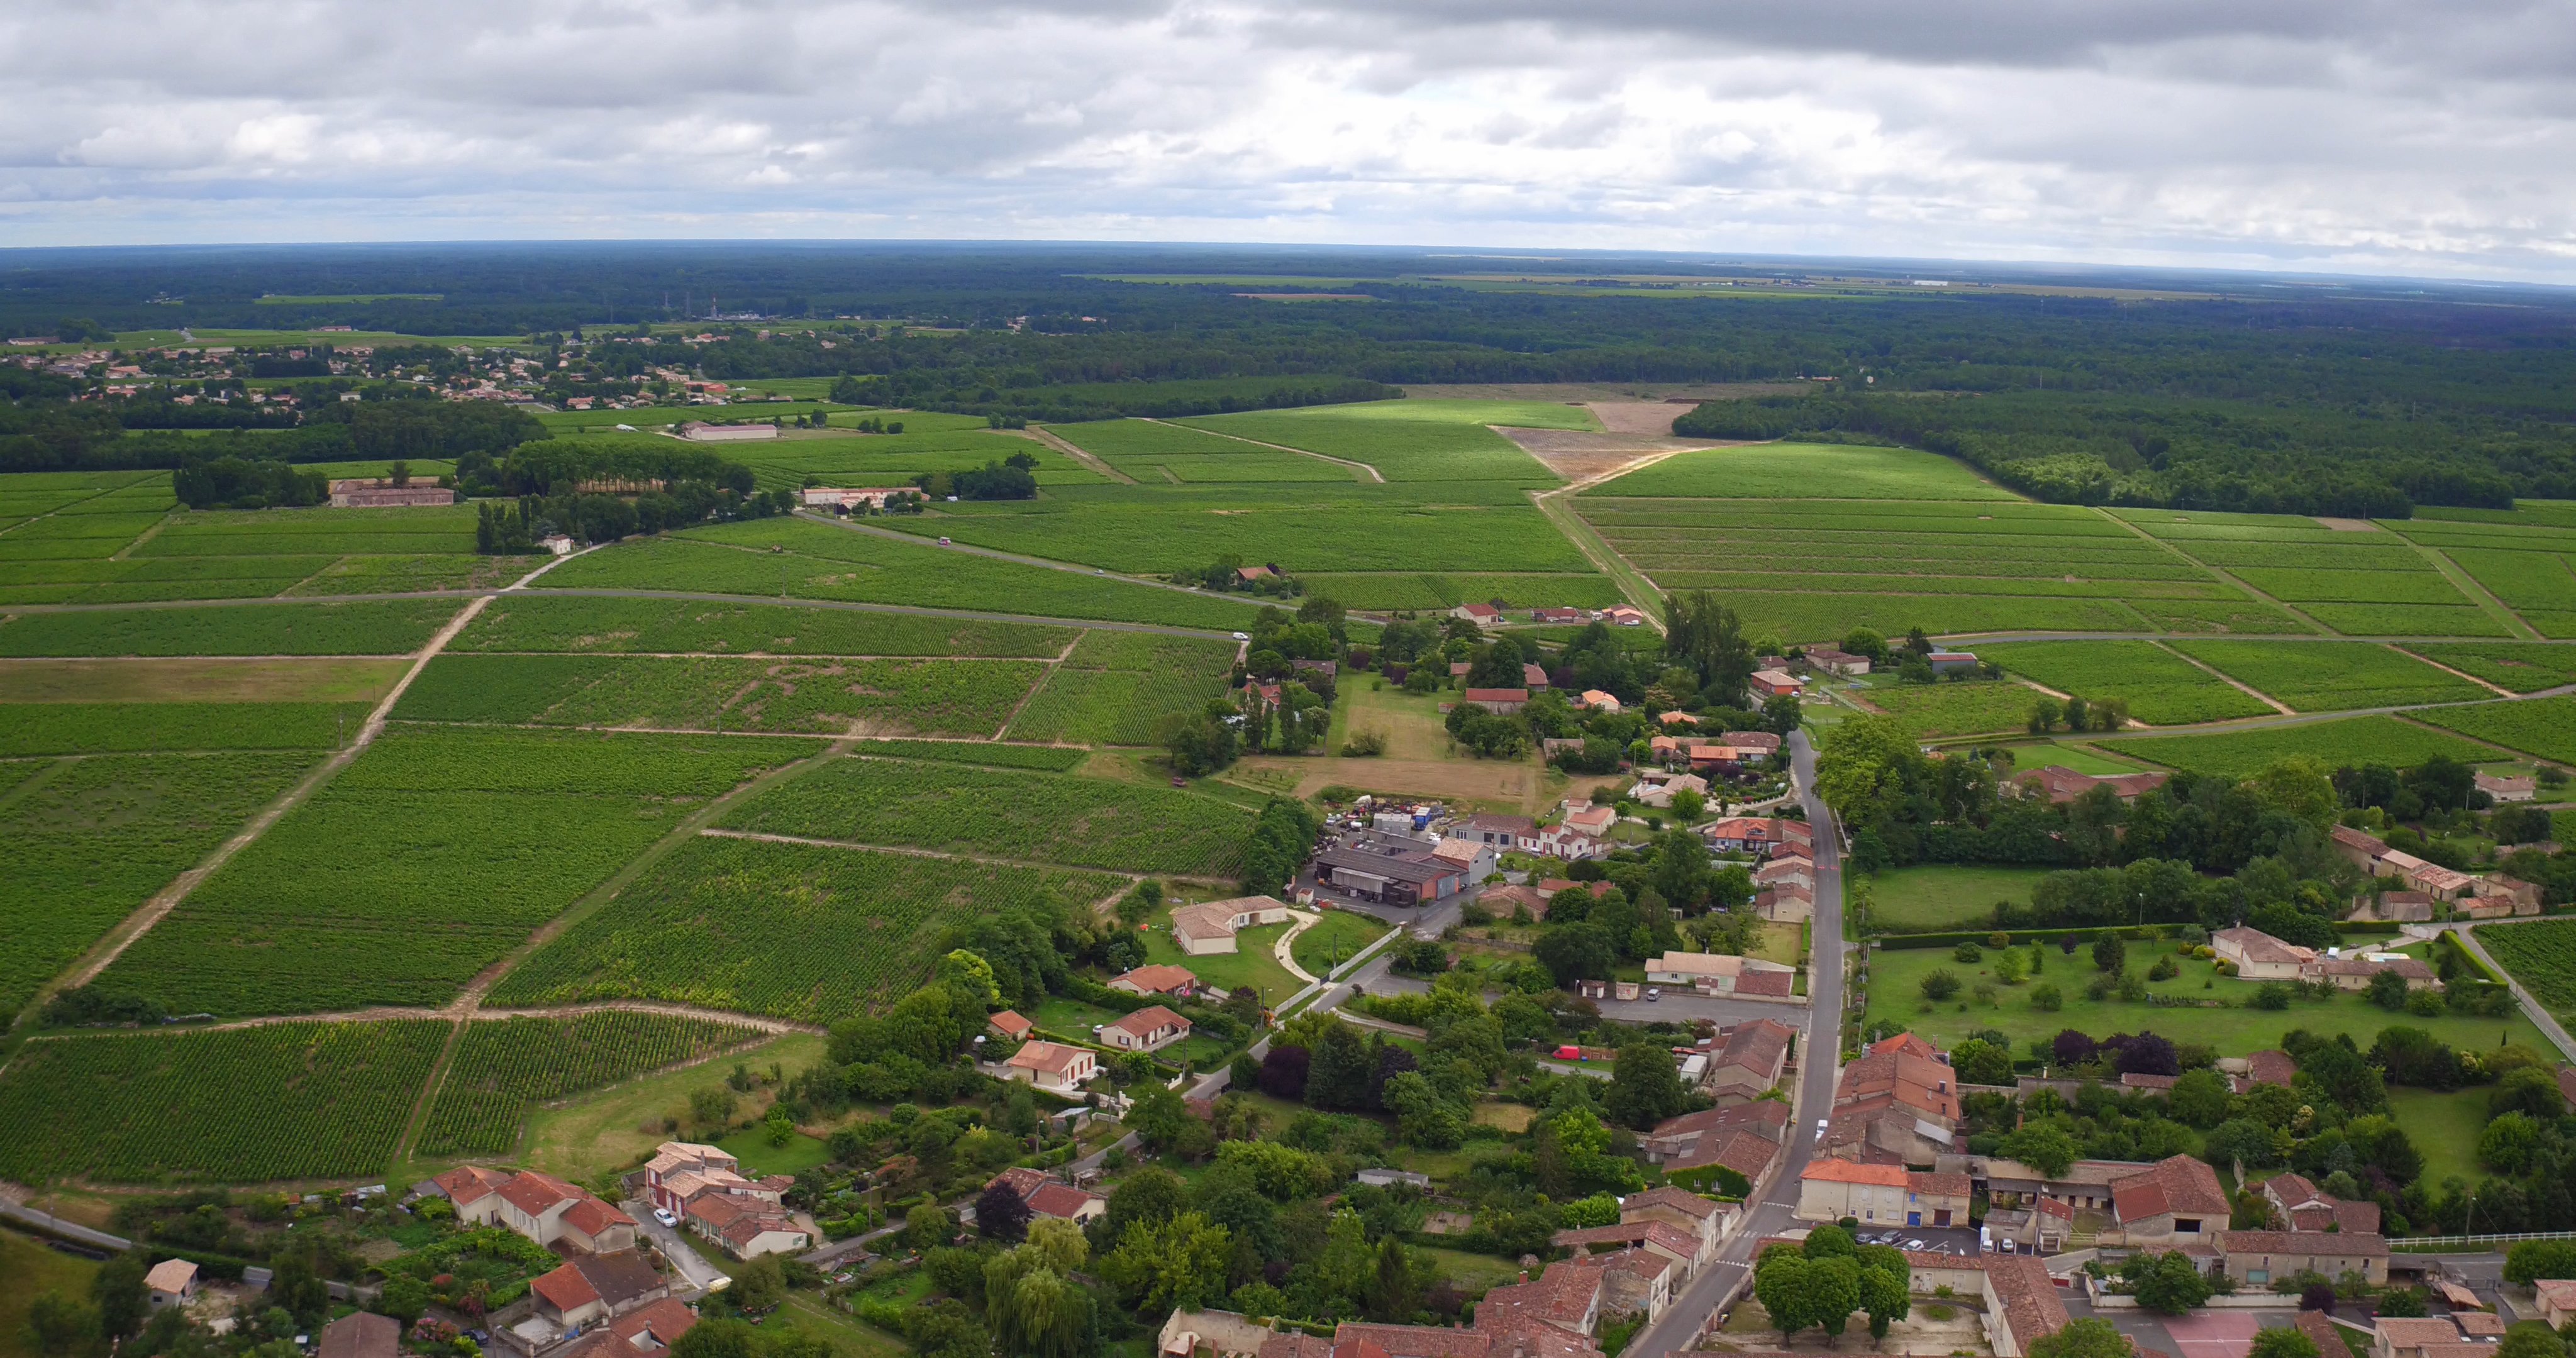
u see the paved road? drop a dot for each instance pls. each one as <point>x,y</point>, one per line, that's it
<point>691,1265</point>
<point>68,1230</point>
<point>1819,1055</point>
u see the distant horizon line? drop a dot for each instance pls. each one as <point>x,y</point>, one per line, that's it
<point>1951,266</point>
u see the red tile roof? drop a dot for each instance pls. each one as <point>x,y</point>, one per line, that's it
<point>2177,1184</point>
<point>590,1216</point>
<point>564,1288</point>
<point>1061,1201</point>
<point>1153,1018</point>
<point>1159,978</point>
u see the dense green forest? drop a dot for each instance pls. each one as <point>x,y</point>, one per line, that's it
<point>2361,400</point>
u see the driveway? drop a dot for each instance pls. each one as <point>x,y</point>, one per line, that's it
<point>688,1263</point>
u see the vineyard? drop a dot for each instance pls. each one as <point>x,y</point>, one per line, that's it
<point>1040,817</point>
<point>384,627</point>
<point>2332,676</point>
<point>796,931</point>
<point>1435,441</point>
<point>824,562</point>
<point>286,1101</point>
<point>2541,726</point>
<point>2541,954</point>
<point>1335,528</point>
<point>2522,666</point>
<point>1958,709</point>
<point>2162,689</point>
<point>990,754</point>
<point>1440,592</point>
<point>2354,740</point>
<point>85,841</point>
<point>1799,470</point>
<point>807,696</point>
<point>539,622</point>
<point>433,854</point>
<point>104,728</point>
<point>1116,685</point>
<point>500,1068</point>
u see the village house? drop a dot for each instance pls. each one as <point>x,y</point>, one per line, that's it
<point>1785,903</point>
<point>1011,1026</point>
<point>1159,978</point>
<point>1586,818</point>
<point>1500,701</point>
<point>593,1287</point>
<point>1658,790</point>
<point>1745,1060</point>
<point>2061,784</point>
<point>1560,615</point>
<point>2255,1258</point>
<point>746,1228</point>
<point>172,1282</point>
<point>2306,1209</point>
<point>1503,833</point>
<point>1598,700</point>
<point>541,1207</point>
<point>1828,660</point>
<point>1898,1103</point>
<point>699,431</point>
<point>1786,871</point>
<point>1623,616</point>
<point>1722,974</point>
<point>1048,1196</point>
<point>2557,1298</point>
<point>373,494</point>
<point>1200,930</point>
<point>844,499</point>
<point>1483,615</point>
<point>1477,861</point>
<point>2359,847</point>
<point>1775,684</point>
<point>1149,1029</point>
<point>647,1330</point>
<point>681,1172</point>
<point>1053,1066</point>
<point>1759,836</point>
<point>2357,971</point>
<point>1952,662</point>
<point>2508,787</point>
<point>1533,677</point>
<point>1829,1190</point>
<point>2258,956</point>
<point>2175,1202</point>
<point>1502,901</point>
<point>1747,1138</point>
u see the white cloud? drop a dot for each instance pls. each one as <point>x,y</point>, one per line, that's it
<point>2372,135</point>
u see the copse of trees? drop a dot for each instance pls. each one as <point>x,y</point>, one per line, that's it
<point>234,483</point>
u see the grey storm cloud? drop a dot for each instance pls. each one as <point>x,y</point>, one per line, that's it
<point>2367,136</point>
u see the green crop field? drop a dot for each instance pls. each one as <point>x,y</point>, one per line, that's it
<point>797,931</point>
<point>992,754</point>
<point>2541,954</point>
<point>823,695</point>
<point>2360,583</point>
<point>307,532</point>
<point>1936,897</point>
<point>430,856</point>
<point>101,728</point>
<point>501,1068</point>
<point>2525,581</point>
<point>412,574</point>
<point>821,561</point>
<point>2522,666</point>
<point>377,627</point>
<point>1151,450</point>
<point>1046,818</point>
<point>895,459</point>
<point>83,842</point>
<point>1116,685</point>
<point>2161,688</point>
<point>2332,676</point>
<point>286,1101</point>
<point>2541,726</point>
<point>1798,471</point>
<point>1438,593</point>
<point>2353,740</point>
<point>571,623</point>
<point>1967,708</point>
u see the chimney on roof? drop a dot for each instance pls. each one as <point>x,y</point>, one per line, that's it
<point>1524,1275</point>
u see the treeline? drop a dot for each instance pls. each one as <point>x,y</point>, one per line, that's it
<point>2186,453</point>
<point>56,435</point>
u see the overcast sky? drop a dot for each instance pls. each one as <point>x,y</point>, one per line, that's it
<point>2344,135</point>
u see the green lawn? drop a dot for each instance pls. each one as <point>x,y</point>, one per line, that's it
<point>27,1271</point>
<point>1334,940</point>
<point>1896,974</point>
<point>848,1337</point>
<point>1472,1272</point>
<point>1944,896</point>
<point>1251,963</point>
<point>2445,1128</point>
<point>758,1157</point>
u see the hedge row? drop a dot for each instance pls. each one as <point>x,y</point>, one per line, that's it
<point>1951,938</point>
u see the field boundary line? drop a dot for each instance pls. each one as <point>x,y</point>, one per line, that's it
<point>916,851</point>
<point>1041,434</point>
<point>1373,473</point>
<point>162,902</point>
<point>2222,576</point>
<point>2476,592</point>
<point>121,553</point>
<point>1046,676</point>
<point>2228,679</point>
<point>469,1000</point>
<point>2497,689</point>
<point>2411,719</point>
<point>54,767</point>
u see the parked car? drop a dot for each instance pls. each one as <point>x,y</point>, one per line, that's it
<point>1654,992</point>
<point>943,542</point>
<point>1820,1129</point>
<point>663,1215</point>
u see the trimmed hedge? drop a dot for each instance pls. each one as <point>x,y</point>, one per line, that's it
<point>1951,938</point>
